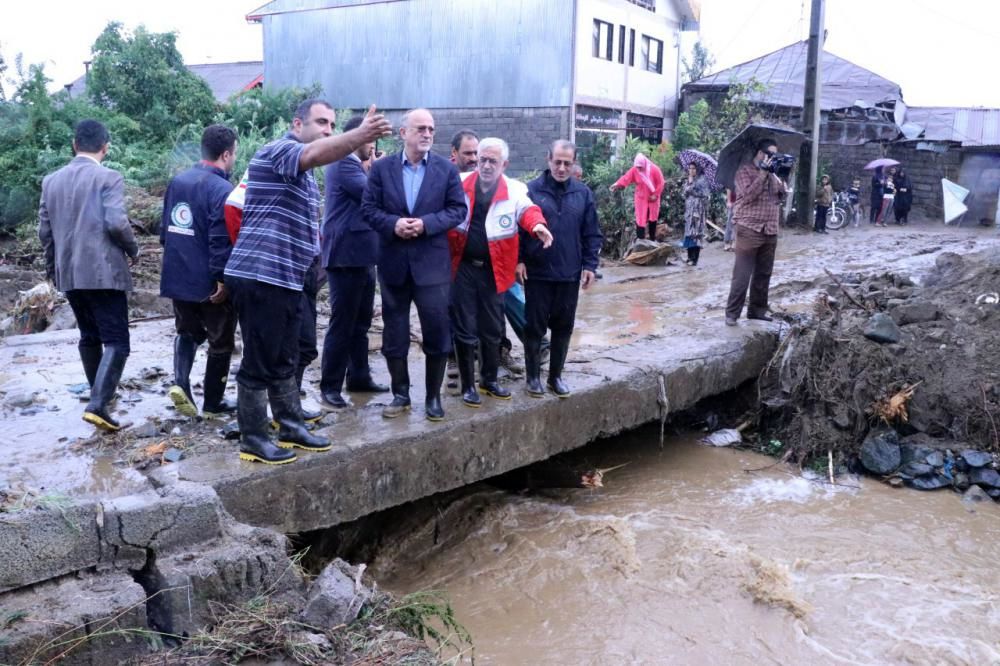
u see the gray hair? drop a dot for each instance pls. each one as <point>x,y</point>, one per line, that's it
<point>562,144</point>
<point>405,122</point>
<point>494,142</point>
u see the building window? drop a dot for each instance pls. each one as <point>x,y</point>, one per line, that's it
<point>621,44</point>
<point>652,54</point>
<point>631,47</point>
<point>603,40</point>
<point>647,128</point>
<point>645,4</point>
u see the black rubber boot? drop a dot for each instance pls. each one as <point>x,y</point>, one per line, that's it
<point>255,445</point>
<point>105,385</point>
<point>365,385</point>
<point>216,376</point>
<point>557,359</point>
<point>308,415</point>
<point>287,410</point>
<point>488,368</point>
<point>399,373</point>
<point>435,366</point>
<point>90,356</point>
<point>180,391</point>
<point>467,372</point>
<point>533,367</point>
<point>333,399</point>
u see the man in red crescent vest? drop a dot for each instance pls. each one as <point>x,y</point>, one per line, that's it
<point>483,258</point>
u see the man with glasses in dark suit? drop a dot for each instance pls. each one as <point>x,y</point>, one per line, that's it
<point>413,198</point>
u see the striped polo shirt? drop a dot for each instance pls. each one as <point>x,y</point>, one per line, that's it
<point>279,234</point>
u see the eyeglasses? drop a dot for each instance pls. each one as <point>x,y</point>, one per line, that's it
<point>563,163</point>
<point>423,129</point>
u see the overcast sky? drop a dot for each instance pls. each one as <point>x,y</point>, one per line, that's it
<point>941,53</point>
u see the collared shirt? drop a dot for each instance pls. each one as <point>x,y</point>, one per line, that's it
<point>413,178</point>
<point>758,200</point>
<point>279,234</point>
<point>89,157</point>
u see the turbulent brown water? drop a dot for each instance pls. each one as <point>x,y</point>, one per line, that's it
<point>685,558</point>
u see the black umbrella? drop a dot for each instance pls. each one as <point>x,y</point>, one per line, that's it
<point>743,148</point>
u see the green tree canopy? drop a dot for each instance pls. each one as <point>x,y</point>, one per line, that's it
<point>142,75</point>
<point>699,65</point>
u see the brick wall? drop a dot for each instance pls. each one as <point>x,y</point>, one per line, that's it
<point>528,131</point>
<point>925,169</point>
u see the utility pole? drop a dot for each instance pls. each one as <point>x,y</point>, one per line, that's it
<point>805,178</point>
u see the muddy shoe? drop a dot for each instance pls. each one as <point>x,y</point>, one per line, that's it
<point>182,402</point>
<point>494,390</point>
<point>102,419</point>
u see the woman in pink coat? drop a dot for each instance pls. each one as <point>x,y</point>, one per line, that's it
<point>648,181</point>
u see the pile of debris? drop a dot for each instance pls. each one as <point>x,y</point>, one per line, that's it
<point>894,377</point>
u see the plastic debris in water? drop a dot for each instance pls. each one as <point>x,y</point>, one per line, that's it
<point>989,298</point>
<point>724,437</point>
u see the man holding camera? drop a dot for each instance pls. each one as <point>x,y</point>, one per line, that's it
<point>759,193</point>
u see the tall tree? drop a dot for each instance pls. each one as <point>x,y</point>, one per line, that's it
<point>142,75</point>
<point>699,65</point>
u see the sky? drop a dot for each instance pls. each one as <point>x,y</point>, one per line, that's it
<point>941,53</point>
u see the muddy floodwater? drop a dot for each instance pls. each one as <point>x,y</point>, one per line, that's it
<point>686,558</point>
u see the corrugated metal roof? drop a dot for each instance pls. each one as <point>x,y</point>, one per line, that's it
<point>783,72</point>
<point>968,126</point>
<point>224,79</point>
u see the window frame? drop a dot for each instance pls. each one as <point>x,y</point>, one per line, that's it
<point>599,27</point>
<point>648,42</point>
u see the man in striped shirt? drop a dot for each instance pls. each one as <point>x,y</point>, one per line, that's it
<point>276,245</point>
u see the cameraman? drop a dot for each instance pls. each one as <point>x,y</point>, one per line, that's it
<point>759,194</point>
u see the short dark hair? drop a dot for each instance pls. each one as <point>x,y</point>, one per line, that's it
<point>354,122</point>
<point>215,140</point>
<point>90,136</point>
<point>305,106</point>
<point>764,144</point>
<point>559,144</point>
<point>462,135</point>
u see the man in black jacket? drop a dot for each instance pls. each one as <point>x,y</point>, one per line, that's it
<point>413,198</point>
<point>196,248</point>
<point>349,254</point>
<point>552,278</point>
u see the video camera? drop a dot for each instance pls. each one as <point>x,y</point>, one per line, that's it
<point>781,165</point>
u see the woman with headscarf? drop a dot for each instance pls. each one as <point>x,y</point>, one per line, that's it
<point>904,196</point>
<point>648,181</point>
<point>696,192</point>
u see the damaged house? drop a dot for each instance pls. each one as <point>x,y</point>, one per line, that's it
<point>864,117</point>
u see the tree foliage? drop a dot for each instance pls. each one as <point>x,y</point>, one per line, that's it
<point>699,65</point>
<point>142,76</point>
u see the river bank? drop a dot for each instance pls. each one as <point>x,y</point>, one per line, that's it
<point>638,327</point>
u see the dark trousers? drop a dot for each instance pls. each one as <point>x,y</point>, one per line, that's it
<point>753,266</point>
<point>821,213</point>
<point>101,316</point>
<point>345,347</point>
<point>203,321</point>
<point>307,331</point>
<point>270,320</point>
<point>649,231</point>
<point>476,307</point>
<point>550,305</point>
<point>432,309</point>
<point>693,254</point>
<point>876,206</point>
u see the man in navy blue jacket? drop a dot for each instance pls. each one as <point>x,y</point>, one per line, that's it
<point>552,278</point>
<point>196,248</point>
<point>413,198</point>
<point>349,254</point>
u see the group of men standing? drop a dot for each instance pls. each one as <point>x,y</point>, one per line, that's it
<point>451,244</point>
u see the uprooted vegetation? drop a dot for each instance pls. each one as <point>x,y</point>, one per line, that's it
<point>932,378</point>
